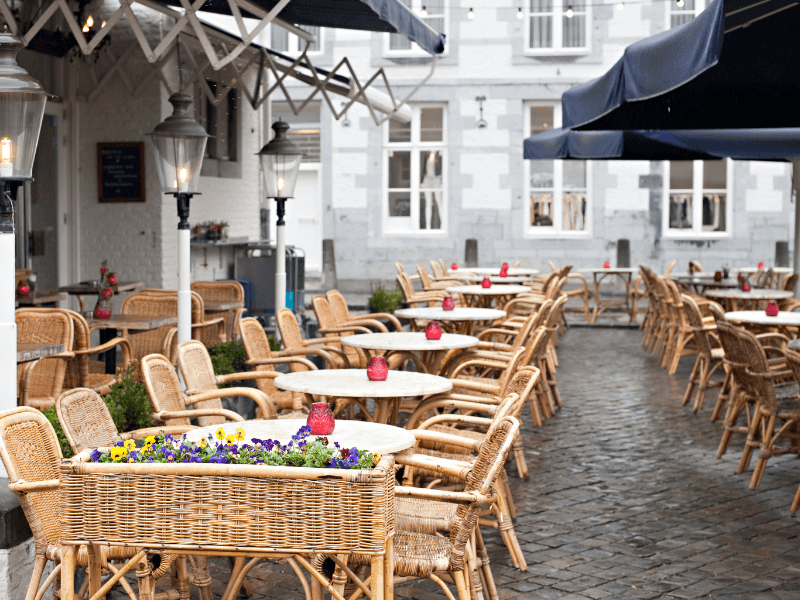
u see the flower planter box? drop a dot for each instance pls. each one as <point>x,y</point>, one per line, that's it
<point>257,507</point>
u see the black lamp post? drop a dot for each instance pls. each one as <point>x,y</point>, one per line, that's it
<point>179,143</point>
<point>280,161</point>
<point>22,101</point>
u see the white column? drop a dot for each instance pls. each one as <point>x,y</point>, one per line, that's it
<point>280,268</point>
<point>8,325</point>
<point>796,245</point>
<point>184,291</point>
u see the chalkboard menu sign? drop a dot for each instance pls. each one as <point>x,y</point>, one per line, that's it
<point>120,171</point>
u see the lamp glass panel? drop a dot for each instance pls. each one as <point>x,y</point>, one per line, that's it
<point>280,174</point>
<point>20,123</point>
<point>179,160</point>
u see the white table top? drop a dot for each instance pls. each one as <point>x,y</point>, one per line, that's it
<point>493,271</point>
<point>496,278</point>
<point>373,437</point>
<point>759,317</point>
<point>353,383</point>
<point>753,294</point>
<point>410,341</point>
<point>460,313</point>
<point>495,290</point>
<point>610,270</point>
<point>756,269</point>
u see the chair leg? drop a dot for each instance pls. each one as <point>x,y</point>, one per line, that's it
<point>704,377</point>
<point>488,577</point>
<point>725,394</point>
<point>461,585</point>
<point>751,442</point>
<point>796,503</point>
<point>519,458</point>
<point>535,415</point>
<point>36,577</point>
<point>687,395</point>
<point>767,440</point>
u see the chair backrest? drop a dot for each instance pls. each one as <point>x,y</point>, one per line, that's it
<point>400,269</point>
<point>86,420</point>
<point>508,373</point>
<point>522,384</point>
<point>669,268</point>
<point>338,307</point>
<point>424,278</point>
<point>695,266</point>
<point>222,291</point>
<point>406,287</point>
<point>30,451</point>
<point>747,359</point>
<point>256,345</point>
<point>444,266</point>
<point>290,330</point>
<point>790,282</point>
<point>150,303</point>
<point>198,374</point>
<point>163,387</point>
<point>554,318</point>
<point>701,326</point>
<point>437,269</point>
<point>324,314</point>
<point>44,326</point>
<point>491,458</point>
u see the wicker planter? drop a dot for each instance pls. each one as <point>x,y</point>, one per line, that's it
<point>228,506</point>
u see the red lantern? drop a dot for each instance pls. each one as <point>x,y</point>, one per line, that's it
<point>504,267</point>
<point>433,331</point>
<point>320,419</point>
<point>761,265</point>
<point>486,283</point>
<point>503,274</point>
<point>377,370</point>
<point>772,310</point>
<point>102,313</point>
<point>606,265</point>
<point>454,267</point>
<point>745,287</point>
<point>448,303</point>
<point>23,290</point>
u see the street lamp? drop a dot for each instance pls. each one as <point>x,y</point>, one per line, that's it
<point>179,143</point>
<point>22,101</point>
<point>280,161</point>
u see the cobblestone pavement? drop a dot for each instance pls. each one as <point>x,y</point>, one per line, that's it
<point>626,498</point>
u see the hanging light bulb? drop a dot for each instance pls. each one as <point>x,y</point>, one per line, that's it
<point>620,6</point>
<point>103,24</point>
<point>519,14</point>
<point>570,12</point>
<point>85,29</point>
<point>680,3</point>
<point>90,22</point>
<point>424,12</point>
<point>470,14</point>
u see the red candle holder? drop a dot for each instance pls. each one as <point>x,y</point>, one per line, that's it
<point>454,267</point>
<point>504,267</point>
<point>486,283</point>
<point>606,265</point>
<point>448,303</point>
<point>24,290</point>
<point>433,331</point>
<point>745,287</point>
<point>320,419</point>
<point>772,309</point>
<point>377,369</point>
<point>503,274</point>
<point>761,265</point>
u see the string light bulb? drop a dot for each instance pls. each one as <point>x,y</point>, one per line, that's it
<point>570,12</point>
<point>620,6</point>
<point>470,14</point>
<point>424,12</point>
<point>680,3</point>
<point>519,14</point>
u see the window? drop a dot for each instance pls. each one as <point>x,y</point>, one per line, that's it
<point>435,16</point>
<point>288,43</point>
<point>415,178</point>
<point>560,26</point>
<point>304,128</point>
<point>697,198</point>
<point>678,15</point>
<point>222,122</point>
<point>557,189</point>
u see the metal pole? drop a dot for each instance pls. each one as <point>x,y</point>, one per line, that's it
<point>280,258</point>
<point>8,324</point>
<point>184,289</point>
<point>796,245</point>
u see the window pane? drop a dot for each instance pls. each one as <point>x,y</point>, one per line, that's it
<point>541,32</point>
<point>279,38</point>
<point>713,212</point>
<point>542,209</point>
<point>680,211</point>
<point>399,132</point>
<point>430,203</point>
<point>399,204</point>
<point>399,169</point>
<point>574,31</point>
<point>542,174</point>
<point>574,175</point>
<point>573,206</point>
<point>680,175</point>
<point>430,169</point>
<point>541,119</point>
<point>714,175</point>
<point>541,6</point>
<point>431,124</point>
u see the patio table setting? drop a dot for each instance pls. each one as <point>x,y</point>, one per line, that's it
<point>494,296</point>
<point>624,274</point>
<point>734,298</point>
<point>461,319</point>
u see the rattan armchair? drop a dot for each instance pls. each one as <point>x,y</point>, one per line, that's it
<point>40,382</point>
<point>420,555</point>
<point>170,403</point>
<point>222,291</point>
<point>198,375</point>
<point>710,357</point>
<point>293,342</point>
<point>32,456</point>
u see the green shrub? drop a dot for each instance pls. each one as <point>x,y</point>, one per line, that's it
<point>274,344</point>
<point>128,403</point>
<point>228,357</point>
<point>384,301</point>
<point>51,415</point>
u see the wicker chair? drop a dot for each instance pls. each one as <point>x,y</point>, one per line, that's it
<point>413,298</point>
<point>31,455</point>
<point>429,285</point>
<point>223,291</point>
<point>169,402</point>
<point>40,382</point>
<point>329,328</point>
<point>198,375</point>
<point>419,555</point>
<point>293,342</point>
<point>709,357</point>
<point>341,312</point>
<point>439,270</point>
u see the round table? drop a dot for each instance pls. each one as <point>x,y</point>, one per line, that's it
<point>374,437</point>
<point>464,318</point>
<point>759,319</point>
<point>484,297</point>
<point>353,384</point>
<point>494,271</point>
<point>623,273</point>
<point>429,352</point>
<point>781,270</point>
<point>733,297</point>
<point>703,283</point>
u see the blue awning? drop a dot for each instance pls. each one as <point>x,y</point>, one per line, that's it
<point>733,66</point>
<point>392,16</point>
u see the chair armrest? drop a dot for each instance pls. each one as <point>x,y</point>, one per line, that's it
<point>466,419</point>
<point>402,491</point>
<point>243,376</point>
<point>26,487</point>
<point>288,359</point>
<point>388,316</point>
<point>209,322</point>
<point>260,398</point>
<point>423,435</point>
<point>455,468</point>
<point>143,433</point>
<point>199,412</point>
<point>475,386</point>
<point>471,403</point>
<point>477,362</point>
<point>349,329</point>
<point>120,341</point>
<point>322,341</point>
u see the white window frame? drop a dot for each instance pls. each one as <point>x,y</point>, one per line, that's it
<point>556,231</point>
<point>672,8</point>
<point>410,225</point>
<point>697,232</point>
<point>297,44</point>
<point>415,50</point>
<point>559,11</point>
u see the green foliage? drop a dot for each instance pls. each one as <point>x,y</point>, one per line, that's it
<point>128,403</point>
<point>51,415</point>
<point>385,301</point>
<point>274,344</point>
<point>228,357</point>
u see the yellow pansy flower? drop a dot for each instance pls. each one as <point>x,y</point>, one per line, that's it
<point>203,442</point>
<point>118,453</point>
<point>220,434</point>
<point>239,434</point>
<point>376,458</point>
<point>130,445</point>
<point>230,440</point>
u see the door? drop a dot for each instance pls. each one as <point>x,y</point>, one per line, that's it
<point>304,218</point>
